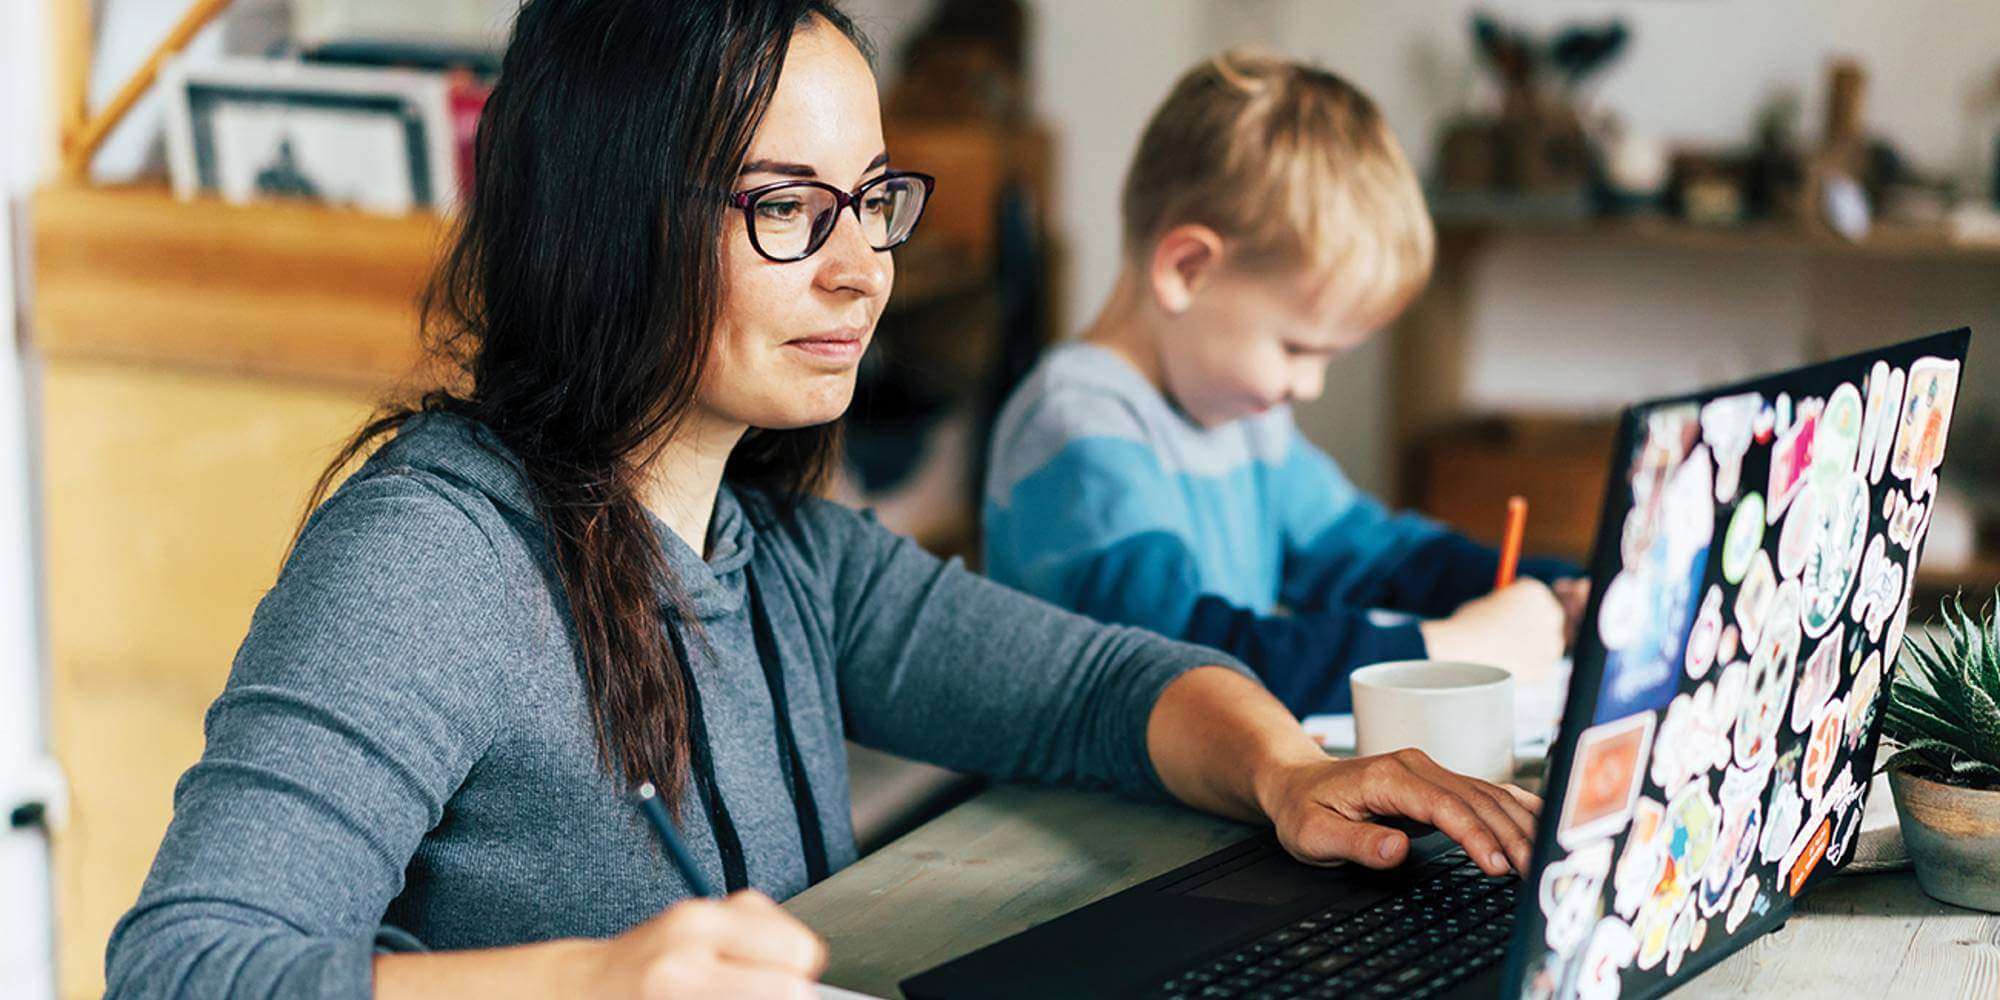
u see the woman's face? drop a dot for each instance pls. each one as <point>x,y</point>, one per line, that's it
<point>792,334</point>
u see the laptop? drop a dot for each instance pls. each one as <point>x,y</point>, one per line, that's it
<point>1750,588</point>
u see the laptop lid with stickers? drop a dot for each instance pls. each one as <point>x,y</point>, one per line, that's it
<point>1750,588</point>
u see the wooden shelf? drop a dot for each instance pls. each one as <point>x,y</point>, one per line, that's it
<point>129,274</point>
<point>1885,241</point>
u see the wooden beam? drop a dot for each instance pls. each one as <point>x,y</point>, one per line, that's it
<point>69,68</point>
<point>80,146</point>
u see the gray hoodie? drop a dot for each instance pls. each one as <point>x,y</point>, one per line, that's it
<point>403,756</point>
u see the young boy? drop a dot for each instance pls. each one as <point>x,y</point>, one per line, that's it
<point>1151,473</point>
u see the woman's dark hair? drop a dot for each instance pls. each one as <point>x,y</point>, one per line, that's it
<point>576,302</point>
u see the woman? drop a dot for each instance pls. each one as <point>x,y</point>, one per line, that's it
<point>594,563</point>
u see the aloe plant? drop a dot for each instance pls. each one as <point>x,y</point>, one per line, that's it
<point>1944,705</point>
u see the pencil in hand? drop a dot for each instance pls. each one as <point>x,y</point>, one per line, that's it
<point>1510,542</point>
<point>677,852</point>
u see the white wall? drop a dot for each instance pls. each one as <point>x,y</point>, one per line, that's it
<point>26,956</point>
<point>1629,322</point>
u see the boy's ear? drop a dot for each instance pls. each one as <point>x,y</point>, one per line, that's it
<point>1184,258</point>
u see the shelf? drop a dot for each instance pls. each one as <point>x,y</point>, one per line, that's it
<point>1886,241</point>
<point>131,275</point>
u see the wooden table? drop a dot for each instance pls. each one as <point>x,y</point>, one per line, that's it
<point>1018,855</point>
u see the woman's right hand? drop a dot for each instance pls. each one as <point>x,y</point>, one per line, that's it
<point>742,946</point>
<point>1518,628</point>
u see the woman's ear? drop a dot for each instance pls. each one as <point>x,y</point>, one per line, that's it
<point>1184,259</point>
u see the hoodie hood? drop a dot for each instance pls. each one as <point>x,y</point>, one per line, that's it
<point>467,455</point>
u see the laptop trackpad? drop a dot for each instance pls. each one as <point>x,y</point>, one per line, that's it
<point>1272,880</point>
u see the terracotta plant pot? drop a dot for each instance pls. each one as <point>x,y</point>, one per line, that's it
<point>1953,835</point>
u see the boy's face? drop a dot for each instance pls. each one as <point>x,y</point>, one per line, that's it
<point>1251,340</point>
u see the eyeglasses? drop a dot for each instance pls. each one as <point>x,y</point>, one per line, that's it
<point>791,220</point>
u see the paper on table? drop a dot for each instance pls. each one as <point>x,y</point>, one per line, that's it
<point>1537,711</point>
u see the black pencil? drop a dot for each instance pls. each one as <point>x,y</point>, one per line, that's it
<point>649,803</point>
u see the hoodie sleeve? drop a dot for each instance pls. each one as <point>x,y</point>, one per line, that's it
<point>359,701</point>
<point>939,664</point>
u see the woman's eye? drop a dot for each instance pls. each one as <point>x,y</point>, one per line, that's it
<point>780,209</point>
<point>876,204</point>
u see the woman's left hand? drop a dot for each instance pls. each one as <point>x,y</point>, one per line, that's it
<point>1323,810</point>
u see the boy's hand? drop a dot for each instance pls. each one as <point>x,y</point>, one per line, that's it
<point>1572,594</point>
<point>1323,811</point>
<point>1518,628</point>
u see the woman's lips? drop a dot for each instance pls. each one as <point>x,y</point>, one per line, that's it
<point>844,348</point>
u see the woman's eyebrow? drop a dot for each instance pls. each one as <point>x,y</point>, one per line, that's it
<point>784,169</point>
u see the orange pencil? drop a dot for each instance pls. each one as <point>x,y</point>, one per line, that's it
<point>1510,543</point>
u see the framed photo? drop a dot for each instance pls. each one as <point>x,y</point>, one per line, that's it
<point>380,140</point>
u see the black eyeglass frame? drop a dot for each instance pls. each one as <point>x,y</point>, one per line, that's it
<point>746,201</point>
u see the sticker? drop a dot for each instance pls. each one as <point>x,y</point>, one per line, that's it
<point>1706,635</point>
<point>1680,937</point>
<point>1746,784</point>
<point>1572,896</point>
<point>1610,952</point>
<point>1790,457</point>
<point>1877,414</point>
<point>1768,688</point>
<point>1885,435</point>
<point>1822,750</point>
<point>1877,590</point>
<point>1837,439</point>
<point>1795,539</point>
<point>1610,767</point>
<point>1621,616</point>
<point>1694,735</point>
<point>1906,521</point>
<point>1846,797</point>
<point>1839,529</point>
<point>1921,423</point>
<point>1744,538</point>
<point>1785,809</point>
<point>1754,599</point>
<point>1815,849</point>
<point>1726,426</point>
<point>1729,645</point>
<point>1893,643</point>
<point>1652,925</point>
<point>1861,699</point>
<point>1670,434</point>
<point>1643,860</point>
<point>1817,680</point>
<point>1739,910</point>
<point>1734,851</point>
<point>1693,823</point>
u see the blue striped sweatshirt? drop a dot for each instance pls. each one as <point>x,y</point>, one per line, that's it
<point>1104,498</point>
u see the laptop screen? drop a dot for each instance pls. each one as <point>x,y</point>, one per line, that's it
<point>1750,588</point>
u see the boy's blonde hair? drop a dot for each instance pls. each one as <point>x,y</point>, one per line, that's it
<point>1291,164</point>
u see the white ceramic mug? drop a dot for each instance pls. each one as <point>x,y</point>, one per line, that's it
<point>1461,714</point>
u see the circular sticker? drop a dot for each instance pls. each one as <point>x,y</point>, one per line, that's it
<point>1838,438</point>
<point>1744,538</point>
<point>1795,539</point>
<point>1706,635</point>
<point>1833,560</point>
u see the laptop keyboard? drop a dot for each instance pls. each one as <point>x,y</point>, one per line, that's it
<point>1450,925</point>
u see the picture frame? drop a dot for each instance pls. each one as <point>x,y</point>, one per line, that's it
<point>375,139</point>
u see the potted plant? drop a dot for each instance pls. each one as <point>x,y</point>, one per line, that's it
<point>1943,713</point>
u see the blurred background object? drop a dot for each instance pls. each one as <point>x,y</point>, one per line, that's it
<point>1624,193</point>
